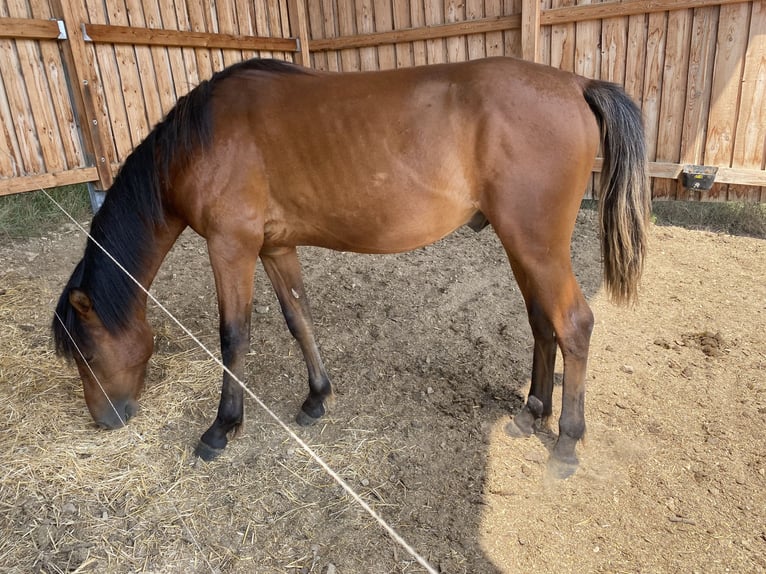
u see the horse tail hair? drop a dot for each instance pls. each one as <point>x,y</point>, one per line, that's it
<point>624,201</point>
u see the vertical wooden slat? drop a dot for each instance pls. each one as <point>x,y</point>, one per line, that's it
<point>189,55</point>
<point>698,93</point>
<point>673,98</point>
<point>512,38</point>
<point>42,135</point>
<point>530,30</point>
<point>635,57</point>
<point>562,41</point>
<point>384,22</point>
<point>454,11</point>
<point>477,43</point>
<point>180,59</point>
<point>299,28</point>
<point>90,97</point>
<point>66,130</point>
<point>722,118</point>
<point>365,24</point>
<point>161,62</point>
<point>614,39</point>
<point>588,59</point>
<point>655,61</point>
<point>418,20</point>
<point>402,20</point>
<point>347,24</point>
<point>493,40</point>
<point>750,139</point>
<point>436,49</point>
<point>331,30</point>
<point>316,25</point>
<point>205,64</point>
<point>245,23</point>
<point>262,23</point>
<point>149,75</point>
<point>227,24</point>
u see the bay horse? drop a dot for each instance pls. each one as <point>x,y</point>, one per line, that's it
<point>266,156</point>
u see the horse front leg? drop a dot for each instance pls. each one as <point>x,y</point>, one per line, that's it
<point>283,268</point>
<point>234,269</point>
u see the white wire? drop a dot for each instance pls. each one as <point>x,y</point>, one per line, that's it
<point>343,484</point>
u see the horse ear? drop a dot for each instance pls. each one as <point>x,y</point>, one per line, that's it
<point>81,302</point>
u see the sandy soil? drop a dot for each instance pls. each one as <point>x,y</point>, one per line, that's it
<point>430,353</point>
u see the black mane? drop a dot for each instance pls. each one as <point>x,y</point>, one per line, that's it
<point>133,209</point>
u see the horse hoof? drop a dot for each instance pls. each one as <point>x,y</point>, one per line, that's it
<point>305,420</point>
<point>561,469</point>
<point>206,452</point>
<point>514,430</point>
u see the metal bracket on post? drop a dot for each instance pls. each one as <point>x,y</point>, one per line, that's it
<point>96,197</point>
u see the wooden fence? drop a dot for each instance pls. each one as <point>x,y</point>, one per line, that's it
<point>83,81</point>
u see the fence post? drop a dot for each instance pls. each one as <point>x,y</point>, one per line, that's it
<point>530,30</point>
<point>299,29</point>
<point>80,66</point>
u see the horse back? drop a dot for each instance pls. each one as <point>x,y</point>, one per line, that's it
<point>380,161</point>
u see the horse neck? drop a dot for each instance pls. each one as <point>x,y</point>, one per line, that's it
<point>165,236</point>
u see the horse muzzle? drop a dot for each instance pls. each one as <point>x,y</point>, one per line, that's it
<point>117,414</point>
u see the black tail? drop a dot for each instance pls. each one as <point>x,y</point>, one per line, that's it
<point>624,194</point>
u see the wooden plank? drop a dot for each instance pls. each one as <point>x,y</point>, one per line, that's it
<point>588,61</point>
<point>493,40</point>
<point>418,21</point>
<point>436,49</point>
<point>750,138</point>
<point>45,136</point>
<point>635,57</point>
<point>562,41</point>
<point>162,68</point>
<point>146,71</point>
<point>347,26</point>
<point>616,8</point>
<point>28,155</point>
<point>476,43</point>
<point>384,22</point>
<point>673,99</point>
<point>245,24</point>
<point>530,30</point>
<point>669,170</point>
<point>130,79</point>
<point>198,25</point>
<point>140,36</point>
<point>179,80</point>
<point>614,41</point>
<point>587,53</point>
<point>512,36</point>
<point>457,50</point>
<point>32,29</point>
<point>331,30</point>
<point>263,24</point>
<point>226,23</point>
<point>699,81</point>
<point>655,62</point>
<point>405,56</point>
<point>365,24</point>
<point>316,30</point>
<point>722,117</point>
<point>429,33</point>
<point>48,180</point>
<point>88,94</point>
<point>189,55</point>
<point>299,28</point>
<point>65,126</point>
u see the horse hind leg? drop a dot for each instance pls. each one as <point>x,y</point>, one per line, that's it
<point>558,314</point>
<point>539,403</point>
<point>284,272</point>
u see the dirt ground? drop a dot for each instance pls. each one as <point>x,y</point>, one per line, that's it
<point>430,353</point>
